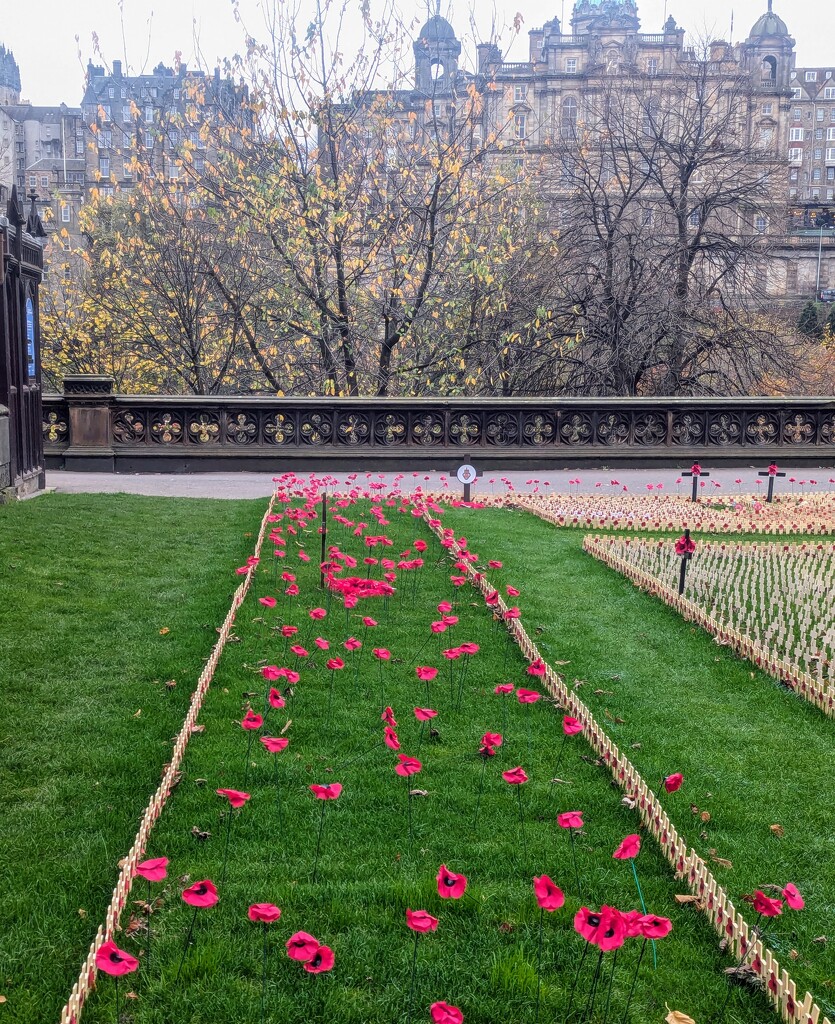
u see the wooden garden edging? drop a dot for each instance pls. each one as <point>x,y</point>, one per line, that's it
<point>816,691</point>
<point>688,865</point>
<point>71,1012</point>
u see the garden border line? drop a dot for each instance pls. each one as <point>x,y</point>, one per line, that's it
<point>71,1012</point>
<point>803,683</point>
<point>727,921</point>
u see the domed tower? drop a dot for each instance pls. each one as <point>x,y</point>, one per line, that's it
<point>436,57</point>
<point>9,78</point>
<point>769,51</point>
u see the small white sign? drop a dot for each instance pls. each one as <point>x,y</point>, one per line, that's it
<point>466,474</point>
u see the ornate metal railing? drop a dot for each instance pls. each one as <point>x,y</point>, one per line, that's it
<point>88,427</point>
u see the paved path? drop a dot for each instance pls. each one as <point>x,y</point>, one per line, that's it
<point>259,485</point>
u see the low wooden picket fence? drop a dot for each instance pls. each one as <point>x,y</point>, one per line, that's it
<point>713,901</point>
<point>816,691</point>
<point>71,1012</point>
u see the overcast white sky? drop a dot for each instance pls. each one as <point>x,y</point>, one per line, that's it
<point>53,40</point>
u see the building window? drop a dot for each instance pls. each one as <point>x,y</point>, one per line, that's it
<point>793,174</point>
<point>818,153</point>
<point>811,76</point>
<point>795,155</point>
<point>797,114</point>
<point>519,125</point>
<point>829,93</point>
<point>571,65</point>
<point>819,113</point>
<point>65,213</point>
<point>760,223</point>
<point>568,123</point>
<point>797,93</point>
<point>816,174</point>
<point>830,134</point>
<point>126,115</point>
<point>830,156</point>
<point>44,181</point>
<point>830,173</point>
<point>520,93</point>
<point>33,181</point>
<point>652,66</point>
<point>767,109</point>
<point>695,219</point>
<point>104,166</point>
<point>818,134</point>
<point>795,135</point>
<point>111,92</point>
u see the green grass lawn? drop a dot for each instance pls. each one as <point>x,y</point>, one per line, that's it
<point>483,956</point>
<point>753,754</point>
<point>87,584</point>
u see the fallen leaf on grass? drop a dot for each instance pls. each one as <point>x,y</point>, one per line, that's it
<point>600,692</point>
<point>560,662</point>
<point>418,792</point>
<point>2,999</point>
<point>137,713</point>
<point>136,924</point>
<point>82,913</point>
<point>202,836</point>
<point>778,830</point>
<point>164,631</point>
<point>170,684</point>
<point>705,816</point>
<point>677,1017</point>
<point>636,746</point>
<point>721,861</point>
<point>793,954</point>
<point>198,728</point>
<point>613,718</point>
<point>630,802</point>
<point>686,897</point>
<point>561,782</point>
<point>821,938</point>
<point>131,995</point>
<point>286,726</point>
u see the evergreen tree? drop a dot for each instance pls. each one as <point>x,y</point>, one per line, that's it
<point>809,323</point>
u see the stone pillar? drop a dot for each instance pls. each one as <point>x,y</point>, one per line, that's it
<point>5,455</point>
<point>89,403</point>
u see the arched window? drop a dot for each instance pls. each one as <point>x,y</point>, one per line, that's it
<point>568,118</point>
<point>769,69</point>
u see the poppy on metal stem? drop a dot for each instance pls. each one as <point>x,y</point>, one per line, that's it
<point>548,897</point>
<point>323,793</point>
<point>115,962</point>
<point>153,870</point>
<point>200,895</point>
<point>572,820</point>
<point>265,914</point>
<point>420,922</point>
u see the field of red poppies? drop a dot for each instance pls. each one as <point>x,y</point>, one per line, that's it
<point>383,817</point>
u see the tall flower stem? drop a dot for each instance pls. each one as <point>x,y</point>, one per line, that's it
<point>539,962</point>
<point>409,805</point>
<point>264,973</point>
<point>148,925</point>
<point>420,738</point>
<point>278,794</point>
<point>480,791</point>
<point>576,871</point>
<point>186,945</point>
<point>116,997</point>
<point>576,979</point>
<point>644,908</point>
<point>382,695</point>
<point>318,842</point>
<point>559,755</point>
<point>611,986</point>
<point>226,844</point>
<point>248,751</point>
<point>330,700</point>
<point>625,1016</point>
<point>589,1010</point>
<point>412,982</point>
<point>522,824</point>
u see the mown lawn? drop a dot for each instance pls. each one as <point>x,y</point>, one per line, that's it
<point>483,956</point>
<point>103,599</point>
<point>753,755</point>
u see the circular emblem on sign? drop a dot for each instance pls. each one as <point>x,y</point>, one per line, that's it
<point>466,474</point>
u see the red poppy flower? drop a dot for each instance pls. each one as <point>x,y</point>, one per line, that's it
<point>388,717</point>
<point>438,627</point>
<point>450,885</point>
<point>201,894</point>
<point>270,673</point>
<point>632,921</point>
<point>426,673</point>
<point>317,613</point>
<point>335,663</point>
<point>290,675</point>
<point>155,870</point>
<point>302,946</point>
<point>251,720</point>
<point>790,894</point>
<point>444,608</point>
<point>352,644</point>
<point>235,797</point>
<point>288,631</point>
<point>652,927</point>
<point>450,620</point>
<point>605,929</point>
<point>275,744</point>
<point>570,819</point>
<point>390,739</point>
<point>275,698</point>
<point>536,668</point>
<point>469,648</point>
<point>492,739</point>
<point>452,653</point>
<point>368,622</point>
<point>492,598</point>
<point>421,921</point>
<point>443,1013</point>
<point>424,714</point>
<point>115,961</point>
<point>512,591</point>
<point>322,644</point>
<point>292,590</point>
<point>571,726</point>
<point>527,696</point>
<point>330,791</point>
<point>322,960</point>
<point>299,651</point>
<point>766,906</point>
<point>420,545</point>
<point>381,653</point>
<point>493,564</point>
<point>673,782</point>
<point>515,776</point>
<point>548,895</point>
<point>512,613</point>
<point>264,912</point>
<point>267,602</point>
<point>628,848</point>
<point>685,546</point>
<point>504,688</point>
<point>408,766</point>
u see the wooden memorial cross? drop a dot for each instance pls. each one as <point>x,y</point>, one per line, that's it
<point>695,471</point>
<point>772,472</point>
<point>467,476</point>
<point>685,548</point>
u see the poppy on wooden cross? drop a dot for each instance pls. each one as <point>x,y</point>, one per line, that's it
<point>467,476</point>
<point>695,471</point>
<point>772,473</point>
<point>685,548</point>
